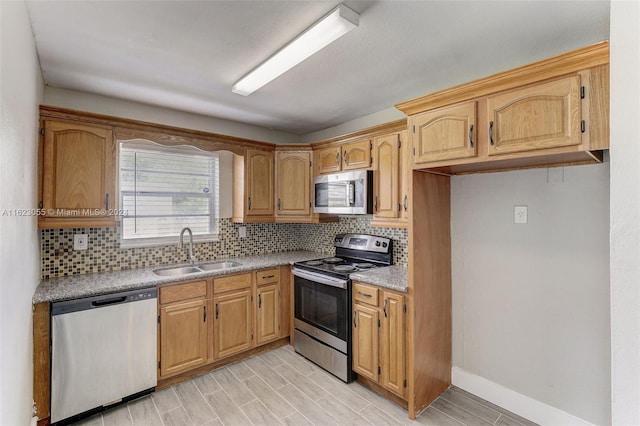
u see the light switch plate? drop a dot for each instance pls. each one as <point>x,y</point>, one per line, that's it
<point>80,241</point>
<point>520,214</point>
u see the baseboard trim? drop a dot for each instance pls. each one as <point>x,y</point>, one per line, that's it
<point>520,404</point>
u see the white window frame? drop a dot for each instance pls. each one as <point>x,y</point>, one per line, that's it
<point>149,146</point>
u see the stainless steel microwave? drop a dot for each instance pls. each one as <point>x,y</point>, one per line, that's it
<point>344,193</point>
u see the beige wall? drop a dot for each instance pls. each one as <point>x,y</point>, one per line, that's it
<point>531,301</point>
<point>20,93</point>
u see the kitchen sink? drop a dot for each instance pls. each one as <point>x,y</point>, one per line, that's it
<point>215,266</point>
<point>182,270</point>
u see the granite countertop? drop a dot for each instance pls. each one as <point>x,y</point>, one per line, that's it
<point>392,277</point>
<point>77,286</point>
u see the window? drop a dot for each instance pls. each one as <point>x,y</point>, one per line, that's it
<point>164,189</point>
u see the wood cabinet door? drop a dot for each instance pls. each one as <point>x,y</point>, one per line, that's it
<point>404,173</point>
<point>183,337</point>
<point>78,169</point>
<point>232,323</point>
<point>268,314</point>
<point>393,343</point>
<point>328,160</point>
<point>542,116</point>
<point>356,155</point>
<point>293,183</point>
<point>365,341</point>
<point>386,154</point>
<point>259,183</point>
<point>444,133</point>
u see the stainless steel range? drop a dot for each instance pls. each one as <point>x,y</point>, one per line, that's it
<point>322,299</point>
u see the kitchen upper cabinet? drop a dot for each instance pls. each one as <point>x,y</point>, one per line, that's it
<point>379,342</point>
<point>445,133</point>
<point>77,171</point>
<point>293,184</point>
<point>356,155</point>
<point>391,173</point>
<point>329,159</point>
<point>545,115</point>
<point>554,112</point>
<point>183,327</point>
<point>253,176</point>
<point>347,156</point>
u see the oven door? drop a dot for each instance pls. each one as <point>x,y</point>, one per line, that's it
<point>322,307</point>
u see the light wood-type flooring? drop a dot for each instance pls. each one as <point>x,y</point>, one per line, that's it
<point>281,387</point>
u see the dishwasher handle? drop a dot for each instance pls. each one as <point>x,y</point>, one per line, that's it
<point>106,302</point>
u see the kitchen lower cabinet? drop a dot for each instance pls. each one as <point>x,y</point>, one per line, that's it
<point>379,338</point>
<point>232,323</point>
<point>365,342</point>
<point>267,314</point>
<point>183,327</point>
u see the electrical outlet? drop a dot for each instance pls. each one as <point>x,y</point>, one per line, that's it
<point>242,232</point>
<point>80,241</point>
<point>520,214</point>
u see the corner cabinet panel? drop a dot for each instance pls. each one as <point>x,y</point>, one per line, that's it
<point>541,116</point>
<point>445,133</point>
<point>259,183</point>
<point>393,343</point>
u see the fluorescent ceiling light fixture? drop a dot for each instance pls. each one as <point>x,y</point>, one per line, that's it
<point>334,25</point>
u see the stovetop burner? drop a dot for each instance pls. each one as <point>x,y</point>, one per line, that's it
<point>314,262</point>
<point>332,260</point>
<point>344,268</point>
<point>366,265</point>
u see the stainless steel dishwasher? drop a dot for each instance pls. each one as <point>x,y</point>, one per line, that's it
<point>103,351</point>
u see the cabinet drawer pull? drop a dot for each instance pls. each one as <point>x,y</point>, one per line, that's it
<point>249,203</point>
<point>216,311</point>
<point>354,320</point>
<point>384,308</point>
<point>375,207</point>
<point>364,294</point>
<point>204,314</point>
<point>404,203</point>
<point>471,136</point>
<point>264,277</point>
<point>259,301</point>
<point>106,201</point>
<point>491,132</point>
<point>279,204</point>
<point>346,158</point>
<point>337,159</point>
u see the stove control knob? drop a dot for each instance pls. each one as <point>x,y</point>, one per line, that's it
<point>377,243</point>
<point>384,245</point>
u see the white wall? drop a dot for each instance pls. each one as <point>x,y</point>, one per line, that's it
<point>20,93</point>
<point>625,212</point>
<point>121,108</point>
<point>531,301</point>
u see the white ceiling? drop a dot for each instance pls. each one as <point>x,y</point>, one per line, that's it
<point>186,55</point>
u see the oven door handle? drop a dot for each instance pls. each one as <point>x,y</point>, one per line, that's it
<point>318,278</point>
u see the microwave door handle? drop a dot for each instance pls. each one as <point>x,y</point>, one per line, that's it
<point>351,193</point>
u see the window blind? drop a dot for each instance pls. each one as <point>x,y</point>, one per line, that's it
<point>165,189</point>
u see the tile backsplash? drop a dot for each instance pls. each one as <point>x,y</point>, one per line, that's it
<point>105,254</point>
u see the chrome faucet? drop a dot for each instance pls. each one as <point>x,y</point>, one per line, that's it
<point>192,258</point>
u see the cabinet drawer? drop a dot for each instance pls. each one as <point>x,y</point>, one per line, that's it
<point>268,276</point>
<point>233,282</point>
<point>365,294</point>
<point>178,292</point>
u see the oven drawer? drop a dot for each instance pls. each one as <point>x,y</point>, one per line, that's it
<point>365,294</point>
<point>233,282</point>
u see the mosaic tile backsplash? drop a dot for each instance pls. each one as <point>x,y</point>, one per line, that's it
<point>104,252</point>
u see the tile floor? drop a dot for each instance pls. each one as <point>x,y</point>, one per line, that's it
<point>281,387</point>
